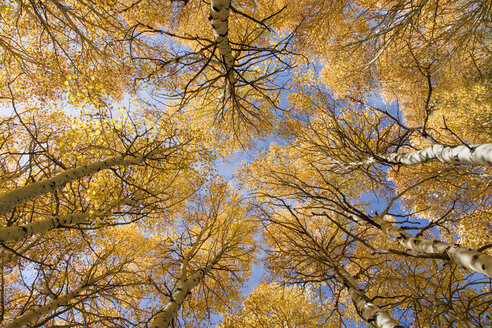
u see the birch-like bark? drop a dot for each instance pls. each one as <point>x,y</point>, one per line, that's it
<point>462,256</point>
<point>168,313</point>
<point>11,199</point>
<point>219,14</point>
<point>36,314</point>
<point>19,232</point>
<point>185,285</point>
<point>367,310</point>
<point>370,312</point>
<point>474,155</point>
<point>41,226</point>
<point>65,300</point>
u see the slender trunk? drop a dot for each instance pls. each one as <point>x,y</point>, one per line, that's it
<point>36,314</point>
<point>23,231</point>
<point>186,283</point>
<point>65,300</point>
<point>219,14</point>
<point>19,232</point>
<point>11,199</point>
<point>475,155</point>
<point>462,256</point>
<point>164,318</point>
<point>368,311</point>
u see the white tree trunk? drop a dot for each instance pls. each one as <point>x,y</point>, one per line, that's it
<point>475,155</point>
<point>36,227</point>
<point>36,314</point>
<point>370,312</point>
<point>465,257</point>
<point>11,199</point>
<point>65,300</point>
<point>164,318</point>
<point>19,232</point>
<point>219,14</point>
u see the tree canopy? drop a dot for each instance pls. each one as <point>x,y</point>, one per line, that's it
<point>365,199</point>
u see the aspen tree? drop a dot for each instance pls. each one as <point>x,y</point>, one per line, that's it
<point>275,305</point>
<point>305,249</point>
<point>216,248</point>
